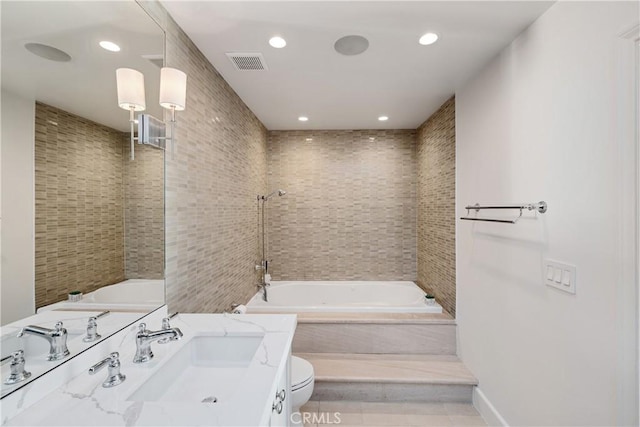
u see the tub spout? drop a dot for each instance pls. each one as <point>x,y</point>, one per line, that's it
<point>263,288</point>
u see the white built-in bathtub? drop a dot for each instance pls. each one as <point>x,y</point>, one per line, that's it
<point>131,295</point>
<point>342,296</point>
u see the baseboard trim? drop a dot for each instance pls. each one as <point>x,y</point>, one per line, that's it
<point>487,410</point>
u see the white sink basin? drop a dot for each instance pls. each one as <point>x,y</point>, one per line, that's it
<point>207,369</point>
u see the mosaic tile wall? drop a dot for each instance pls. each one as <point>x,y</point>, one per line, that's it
<point>79,205</point>
<point>143,212</point>
<point>436,150</point>
<point>350,208</point>
<point>212,183</point>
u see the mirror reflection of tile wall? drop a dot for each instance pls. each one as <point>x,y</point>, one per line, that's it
<point>99,217</point>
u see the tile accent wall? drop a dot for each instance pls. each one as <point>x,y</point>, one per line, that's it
<point>350,208</point>
<point>143,212</point>
<point>212,182</point>
<point>436,149</point>
<point>79,205</point>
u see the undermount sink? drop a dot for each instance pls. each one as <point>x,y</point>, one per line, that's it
<point>207,369</point>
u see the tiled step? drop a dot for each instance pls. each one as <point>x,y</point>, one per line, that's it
<point>377,333</point>
<point>390,377</point>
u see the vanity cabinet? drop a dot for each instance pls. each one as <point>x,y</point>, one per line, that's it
<point>281,402</point>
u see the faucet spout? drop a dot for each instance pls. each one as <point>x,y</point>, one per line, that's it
<point>145,337</point>
<point>57,338</point>
<point>263,288</point>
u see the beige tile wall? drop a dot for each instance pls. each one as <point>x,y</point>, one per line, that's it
<point>436,150</point>
<point>211,186</point>
<point>143,212</point>
<point>364,230</point>
<point>79,205</point>
<point>350,208</point>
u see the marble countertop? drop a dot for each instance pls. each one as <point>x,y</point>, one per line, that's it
<point>75,322</point>
<point>83,400</point>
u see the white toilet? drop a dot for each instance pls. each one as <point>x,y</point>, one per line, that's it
<point>302,379</point>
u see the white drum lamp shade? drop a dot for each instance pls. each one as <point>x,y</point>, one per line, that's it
<point>173,89</point>
<point>130,89</point>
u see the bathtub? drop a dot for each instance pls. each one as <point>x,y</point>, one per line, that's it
<point>342,297</point>
<point>139,295</point>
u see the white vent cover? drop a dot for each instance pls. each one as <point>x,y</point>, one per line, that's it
<point>247,61</point>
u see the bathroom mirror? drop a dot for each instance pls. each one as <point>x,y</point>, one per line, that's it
<point>77,214</point>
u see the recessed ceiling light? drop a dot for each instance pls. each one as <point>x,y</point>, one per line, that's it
<point>110,46</point>
<point>303,118</point>
<point>383,118</point>
<point>308,139</point>
<point>371,138</point>
<point>428,38</point>
<point>277,42</point>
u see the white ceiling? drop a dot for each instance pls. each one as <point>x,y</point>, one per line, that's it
<point>395,77</point>
<point>86,85</point>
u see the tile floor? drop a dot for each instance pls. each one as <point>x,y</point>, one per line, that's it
<point>396,414</point>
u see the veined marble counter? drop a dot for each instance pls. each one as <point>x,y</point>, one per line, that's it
<point>75,322</point>
<point>83,400</point>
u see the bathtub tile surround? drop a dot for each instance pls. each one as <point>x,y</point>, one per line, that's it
<point>212,182</point>
<point>79,238</point>
<point>99,218</point>
<point>436,193</point>
<point>349,212</point>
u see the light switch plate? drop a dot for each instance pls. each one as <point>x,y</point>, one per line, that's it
<point>560,275</point>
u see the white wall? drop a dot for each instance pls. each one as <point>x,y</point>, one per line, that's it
<point>550,119</point>
<point>17,298</point>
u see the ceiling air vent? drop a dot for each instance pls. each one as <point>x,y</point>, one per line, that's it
<point>247,61</point>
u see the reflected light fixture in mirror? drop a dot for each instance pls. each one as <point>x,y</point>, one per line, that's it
<point>173,94</point>
<point>130,86</point>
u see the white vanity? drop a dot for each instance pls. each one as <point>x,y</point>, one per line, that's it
<point>226,370</point>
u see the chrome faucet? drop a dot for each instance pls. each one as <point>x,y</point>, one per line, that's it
<point>18,372</point>
<point>144,338</point>
<point>57,339</point>
<point>114,377</point>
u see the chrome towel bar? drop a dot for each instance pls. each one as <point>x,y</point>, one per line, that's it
<point>541,207</point>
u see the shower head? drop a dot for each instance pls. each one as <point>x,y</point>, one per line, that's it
<point>270,195</point>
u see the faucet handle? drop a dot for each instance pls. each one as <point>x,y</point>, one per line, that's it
<point>59,330</point>
<point>18,372</point>
<point>114,376</point>
<point>166,324</point>
<point>92,331</point>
